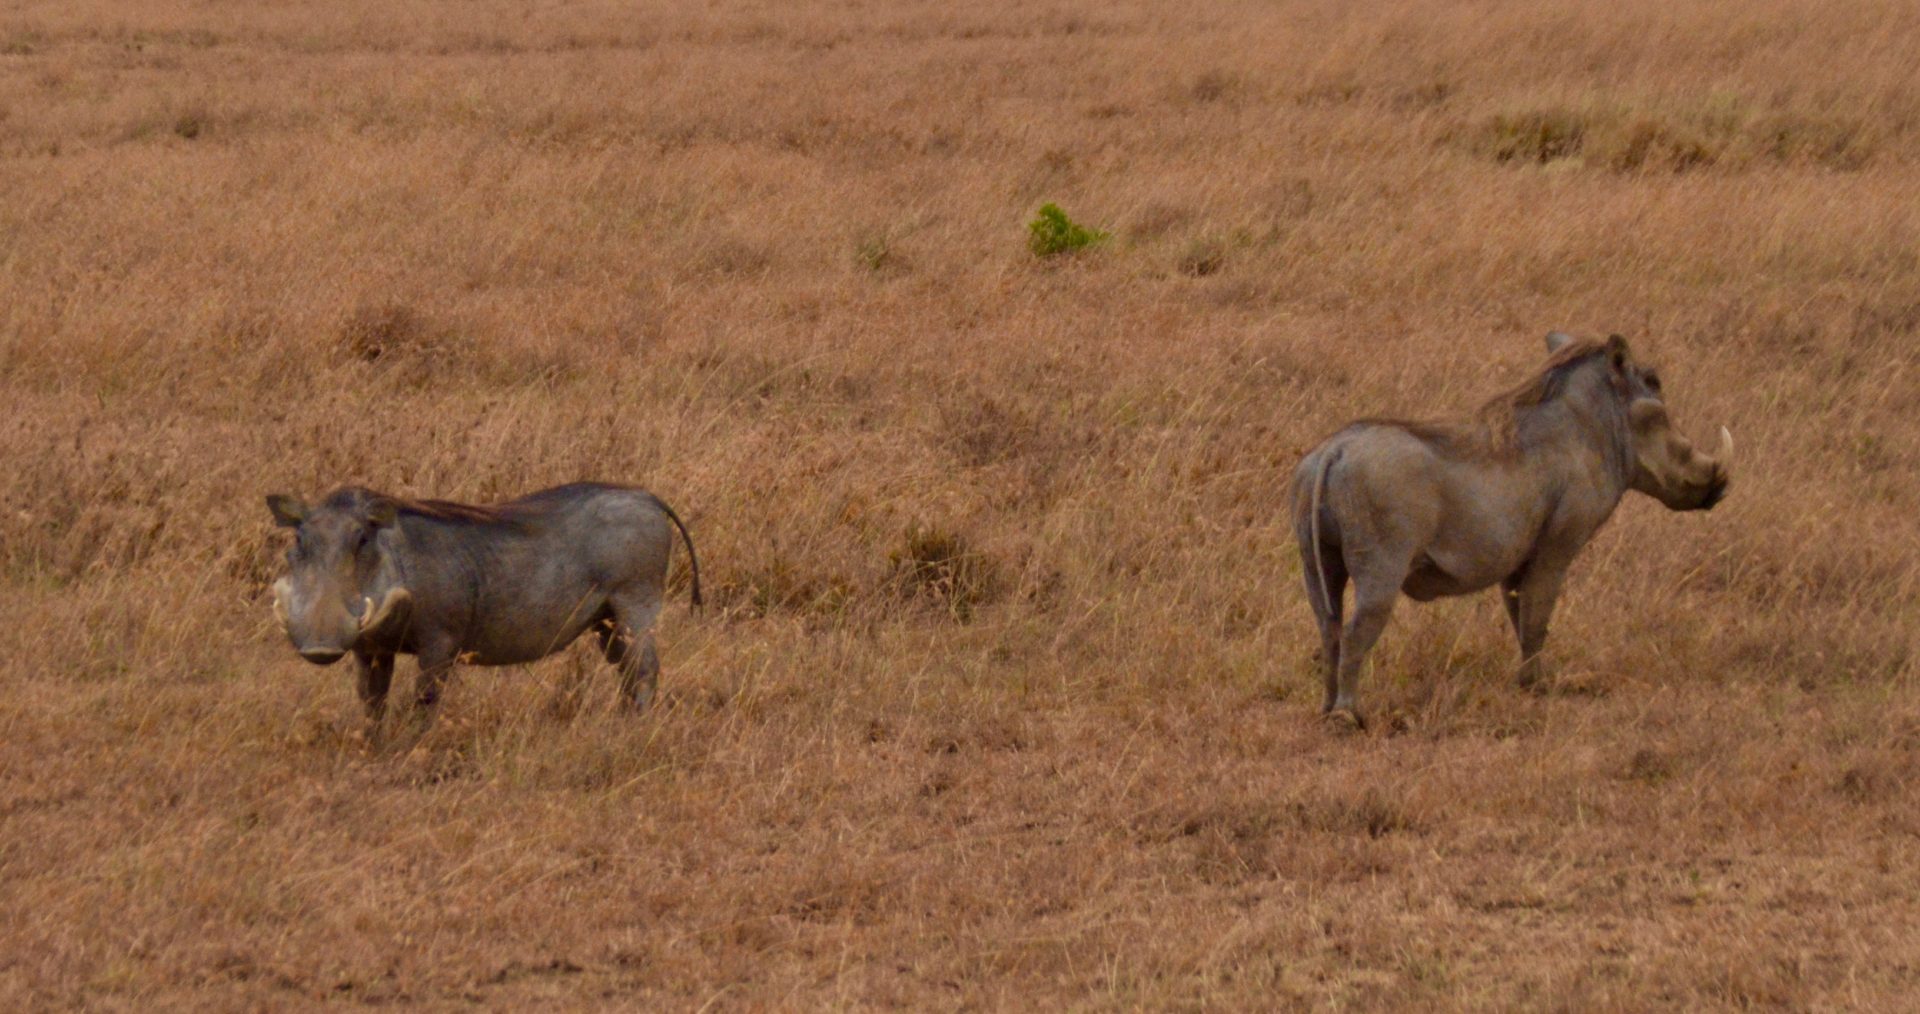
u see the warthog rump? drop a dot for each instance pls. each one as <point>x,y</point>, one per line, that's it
<point>1435,509</point>
<point>378,576</point>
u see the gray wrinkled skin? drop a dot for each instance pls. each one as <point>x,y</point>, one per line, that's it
<point>375,576</point>
<point>1431,510</point>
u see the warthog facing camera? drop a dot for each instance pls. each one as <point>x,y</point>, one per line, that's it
<point>1446,509</point>
<point>376,576</point>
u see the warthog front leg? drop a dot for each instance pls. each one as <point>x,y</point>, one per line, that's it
<point>1529,597</point>
<point>374,674</point>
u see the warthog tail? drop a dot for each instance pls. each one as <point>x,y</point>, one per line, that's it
<point>1313,528</point>
<point>693,559</point>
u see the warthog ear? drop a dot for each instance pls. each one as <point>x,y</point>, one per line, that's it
<point>383,513</point>
<point>288,511</point>
<point>1645,412</point>
<point>1617,354</point>
<point>1557,340</point>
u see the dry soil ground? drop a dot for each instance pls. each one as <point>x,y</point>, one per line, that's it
<point>1006,697</point>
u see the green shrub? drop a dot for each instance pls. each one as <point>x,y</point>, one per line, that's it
<point>1052,232</point>
<point>877,253</point>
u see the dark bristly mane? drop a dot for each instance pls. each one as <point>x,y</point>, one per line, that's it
<point>352,498</point>
<point>1500,415</point>
<point>513,512</point>
<point>1494,428</point>
<point>457,513</point>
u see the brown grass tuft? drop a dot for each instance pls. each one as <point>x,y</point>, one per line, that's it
<point>1203,257</point>
<point>387,330</point>
<point>1671,136</point>
<point>943,567</point>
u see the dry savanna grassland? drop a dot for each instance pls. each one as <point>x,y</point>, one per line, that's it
<point>1006,692</point>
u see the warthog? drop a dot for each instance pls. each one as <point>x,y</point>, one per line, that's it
<point>377,576</point>
<point>1433,509</point>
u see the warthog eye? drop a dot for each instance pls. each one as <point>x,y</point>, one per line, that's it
<point>1653,382</point>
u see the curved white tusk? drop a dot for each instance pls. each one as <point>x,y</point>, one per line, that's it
<point>280,603</point>
<point>394,608</point>
<point>1726,446</point>
<point>366,614</point>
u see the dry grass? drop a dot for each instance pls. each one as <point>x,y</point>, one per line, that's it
<point>1007,696</point>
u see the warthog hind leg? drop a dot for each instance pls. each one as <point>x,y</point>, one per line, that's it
<point>1374,594</point>
<point>436,663</point>
<point>1326,593</point>
<point>628,644</point>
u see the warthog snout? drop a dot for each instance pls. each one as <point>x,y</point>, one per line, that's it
<point>282,612</point>
<point>374,618</point>
<point>1709,480</point>
<point>1670,468</point>
<point>1717,478</point>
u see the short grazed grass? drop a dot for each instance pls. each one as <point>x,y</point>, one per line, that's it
<point>1005,695</point>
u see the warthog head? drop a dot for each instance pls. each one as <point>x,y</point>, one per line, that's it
<point>1666,465</point>
<point>339,588</point>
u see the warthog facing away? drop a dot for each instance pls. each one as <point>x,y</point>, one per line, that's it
<point>377,576</point>
<point>1447,509</point>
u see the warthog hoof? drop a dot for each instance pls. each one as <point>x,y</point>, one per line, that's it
<point>638,702</point>
<point>1344,720</point>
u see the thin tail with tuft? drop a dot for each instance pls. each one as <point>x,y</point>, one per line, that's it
<point>693,560</point>
<point>1313,528</point>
